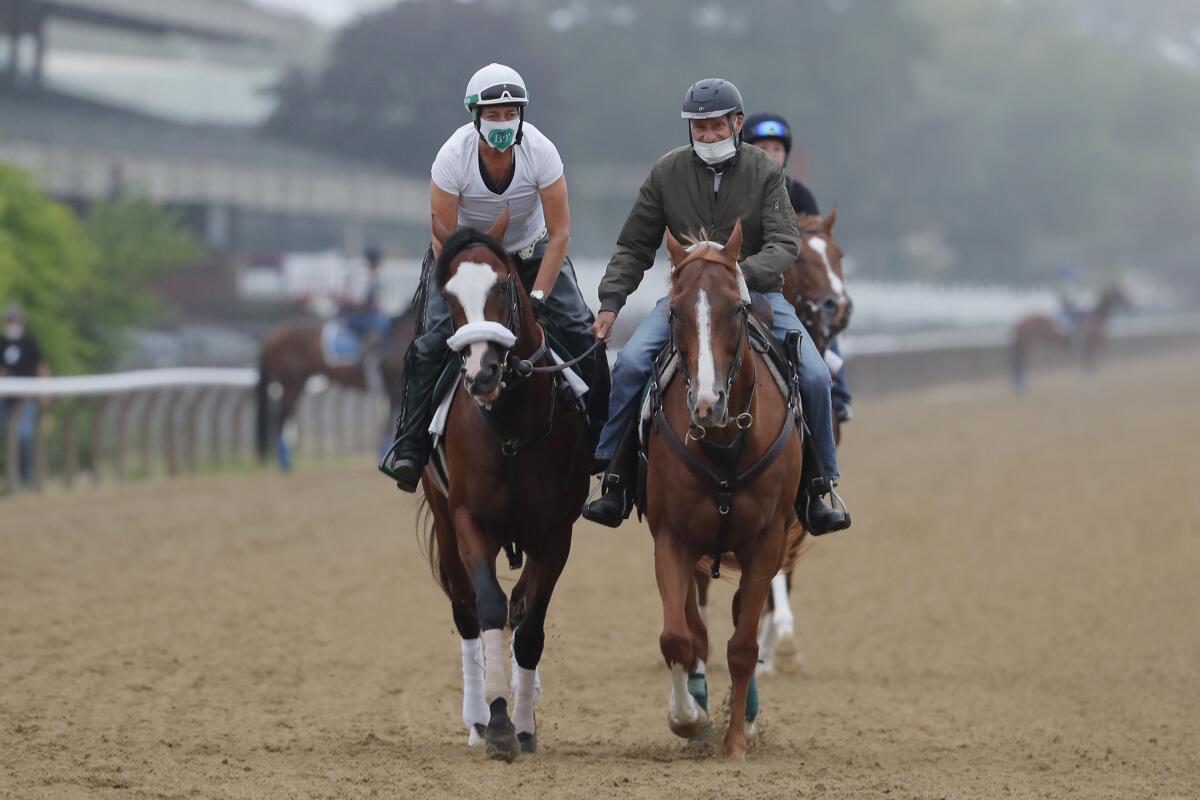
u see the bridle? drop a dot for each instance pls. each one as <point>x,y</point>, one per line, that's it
<point>745,419</point>
<point>821,313</point>
<point>514,366</point>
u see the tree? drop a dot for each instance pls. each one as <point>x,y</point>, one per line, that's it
<point>45,261</point>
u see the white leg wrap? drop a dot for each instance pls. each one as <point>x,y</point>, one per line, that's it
<point>495,686</point>
<point>682,708</point>
<point>784,621</point>
<point>537,674</point>
<point>524,698</point>
<point>766,644</point>
<point>475,709</point>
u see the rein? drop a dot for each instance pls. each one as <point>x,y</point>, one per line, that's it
<point>727,481</point>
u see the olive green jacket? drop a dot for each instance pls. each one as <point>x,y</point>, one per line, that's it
<point>679,195</point>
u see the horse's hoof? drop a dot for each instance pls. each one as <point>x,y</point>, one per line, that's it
<point>689,730</point>
<point>735,750</point>
<point>501,735</point>
<point>528,742</point>
<point>787,654</point>
<point>475,735</point>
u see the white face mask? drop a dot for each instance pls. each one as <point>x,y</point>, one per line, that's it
<point>14,330</point>
<point>500,135</point>
<point>715,153</point>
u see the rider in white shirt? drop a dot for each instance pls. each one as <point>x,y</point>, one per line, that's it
<point>497,161</point>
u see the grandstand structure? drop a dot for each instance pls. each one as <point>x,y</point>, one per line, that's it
<point>240,191</point>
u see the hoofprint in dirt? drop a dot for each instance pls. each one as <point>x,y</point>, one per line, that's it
<point>1012,615</point>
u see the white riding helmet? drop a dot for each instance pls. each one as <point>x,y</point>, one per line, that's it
<point>495,85</point>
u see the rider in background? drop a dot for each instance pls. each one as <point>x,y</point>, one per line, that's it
<point>1072,298</point>
<point>772,133</point>
<point>364,316</point>
<point>496,161</point>
<point>20,357</point>
<point>711,183</point>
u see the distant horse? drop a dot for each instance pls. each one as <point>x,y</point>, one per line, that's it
<point>514,476</point>
<point>815,286</point>
<point>1088,333</point>
<point>292,352</point>
<point>724,459</point>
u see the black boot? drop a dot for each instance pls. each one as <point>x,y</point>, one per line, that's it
<point>405,461</point>
<point>613,507</point>
<point>817,516</point>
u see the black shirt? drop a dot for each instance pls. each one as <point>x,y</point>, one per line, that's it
<point>803,201</point>
<point>20,358</point>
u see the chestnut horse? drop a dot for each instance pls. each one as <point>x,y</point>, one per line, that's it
<point>815,286</point>
<point>516,460</point>
<point>292,352</point>
<point>1037,330</point>
<point>742,503</point>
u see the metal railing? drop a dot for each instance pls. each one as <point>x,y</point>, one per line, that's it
<point>168,421</point>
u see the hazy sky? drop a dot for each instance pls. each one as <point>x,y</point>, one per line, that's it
<point>331,12</point>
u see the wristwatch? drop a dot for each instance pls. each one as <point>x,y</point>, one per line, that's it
<point>538,294</point>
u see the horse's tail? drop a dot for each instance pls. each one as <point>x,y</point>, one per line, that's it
<point>262,409</point>
<point>427,536</point>
<point>1020,361</point>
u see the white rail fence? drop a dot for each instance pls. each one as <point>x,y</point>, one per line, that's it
<point>176,421</point>
<point>169,421</point>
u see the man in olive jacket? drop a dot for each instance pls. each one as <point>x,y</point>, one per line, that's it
<point>710,185</point>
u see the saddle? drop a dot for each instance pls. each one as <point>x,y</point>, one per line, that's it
<point>784,370</point>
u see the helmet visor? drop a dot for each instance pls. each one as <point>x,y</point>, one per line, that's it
<point>500,94</point>
<point>768,129</point>
<point>722,112</point>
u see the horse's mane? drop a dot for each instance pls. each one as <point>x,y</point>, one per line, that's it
<point>460,240</point>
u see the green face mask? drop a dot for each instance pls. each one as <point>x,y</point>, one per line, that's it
<point>500,135</point>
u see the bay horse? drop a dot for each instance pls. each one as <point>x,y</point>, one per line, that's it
<point>1089,333</point>
<point>292,352</point>
<point>815,286</point>
<point>516,466</point>
<point>692,512</point>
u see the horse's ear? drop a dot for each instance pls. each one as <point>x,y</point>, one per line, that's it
<point>675,250</point>
<point>500,226</point>
<point>830,219</point>
<point>734,245</point>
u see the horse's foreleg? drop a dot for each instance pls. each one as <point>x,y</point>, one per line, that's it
<point>697,623</point>
<point>529,639</point>
<point>786,654</point>
<point>759,561</point>
<point>673,567</point>
<point>457,583</point>
<point>478,554</point>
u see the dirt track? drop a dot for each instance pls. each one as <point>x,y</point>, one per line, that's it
<point>1014,615</point>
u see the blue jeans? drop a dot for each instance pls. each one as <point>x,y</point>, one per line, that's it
<point>26,428</point>
<point>636,360</point>
<point>841,388</point>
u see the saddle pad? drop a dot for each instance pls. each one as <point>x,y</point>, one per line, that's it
<point>340,346</point>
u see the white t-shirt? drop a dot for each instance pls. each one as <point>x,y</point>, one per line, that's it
<point>457,170</point>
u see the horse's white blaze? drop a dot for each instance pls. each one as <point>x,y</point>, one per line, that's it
<point>494,684</point>
<point>470,286</point>
<point>475,708</point>
<point>706,370</point>
<point>682,708</point>
<point>822,249</point>
<point>782,618</point>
